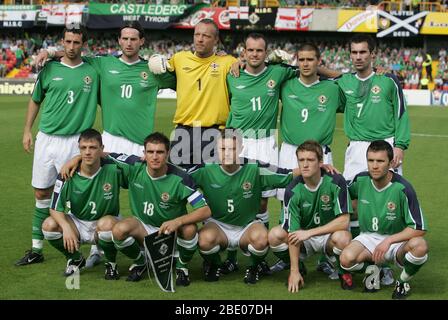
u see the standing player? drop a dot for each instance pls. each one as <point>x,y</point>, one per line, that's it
<point>316,216</point>
<point>67,90</point>
<point>254,99</point>
<point>233,190</point>
<point>309,107</point>
<point>128,95</point>
<point>390,218</point>
<point>158,194</point>
<point>91,198</point>
<point>202,96</point>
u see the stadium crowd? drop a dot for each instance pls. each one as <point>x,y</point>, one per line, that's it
<point>406,63</point>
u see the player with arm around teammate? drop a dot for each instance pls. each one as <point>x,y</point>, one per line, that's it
<point>233,190</point>
<point>316,216</point>
<point>158,194</point>
<point>85,207</point>
<point>390,218</point>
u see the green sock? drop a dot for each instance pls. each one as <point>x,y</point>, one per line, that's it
<point>256,256</point>
<point>212,256</point>
<point>187,248</point>
<point>354,231</point>
<point>130,248</point>
<point>231,255</point>
<point>411,266</point>
<point>282,254</point>
<point>110,252</point>
<point>40,214</point>
<point>59,245</point>
<point>337,252</point>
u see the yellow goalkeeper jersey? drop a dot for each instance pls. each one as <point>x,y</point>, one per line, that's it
<point>202,95</point>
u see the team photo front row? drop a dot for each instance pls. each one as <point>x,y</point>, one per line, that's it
<point>225,197</point>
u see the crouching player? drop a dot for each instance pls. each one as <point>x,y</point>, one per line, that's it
<point>91,198</point>
<point>158,194</point>
<point>316,216</point>
<point>233,188</point>
<point>391,222</point>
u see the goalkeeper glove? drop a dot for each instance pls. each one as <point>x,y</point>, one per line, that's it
<point>158,64</point>
<point>279,56</point>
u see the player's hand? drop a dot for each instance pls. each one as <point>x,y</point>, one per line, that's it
<point>295,281</point>
<point>379,70</point>
<point>279,56</point>
<point>296,172</point>
<point>170,226</point>
<point>71,242</point>
<point>68,170</point>
<point>298,236</point>
<point>41,58</point>
<point>235,68</point>
<point>27,141</point>
<point>158,64</point>
<point>330,169</point>
<point>398,157</point>
<point>380,251</point>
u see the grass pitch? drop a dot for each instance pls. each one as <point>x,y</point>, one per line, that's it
<point>424,166</point>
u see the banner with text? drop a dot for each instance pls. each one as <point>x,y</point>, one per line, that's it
<point>357,21</point>
<point>435,23</point>
<point>401,24</point>
<point>251,18</point>
<point>61,14</point>
<point>219,15</point>
<point>150,16</point>
<point>17,16</point>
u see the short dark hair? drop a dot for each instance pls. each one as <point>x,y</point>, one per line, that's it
<point>381,145</point>
<point>359,38</point>
<point>157,138</point>
<point>134,25</point>
<point>312,146</point>
<point>75,28</point>
<point>256,36</point>
<point>308,46</point>
<point>91,134</point>
<point>231,133</point>
<point>213,23</point>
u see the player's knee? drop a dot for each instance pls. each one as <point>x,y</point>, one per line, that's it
<point>42,194</point>
<point>120,231</point>
<point>277,235</point>
<point>49,225</point>
<point>419,246</point>
<point>207,238</point>
<point>259,238</point>
<point>106,223</point>
<point>188,231</point>
<point>347,258</point>
<point>341,239</point>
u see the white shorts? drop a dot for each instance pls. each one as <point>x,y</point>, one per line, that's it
<point>314,245</point>
<point>121,145</point>
<point>371,240</point>
<point>51,152</point>
<point>149,228</point>
<point>265,150</point>
<point>288,160</point>
<point>86,229</point>
<point>356,158</point>
<point>233,233</point>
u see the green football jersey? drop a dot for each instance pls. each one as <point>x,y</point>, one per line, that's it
<point>309,111</point>
<point>254,100</point>
<point>69,97</point>
<point>90,198</point>
<point>375,109</point>
<point>307,209</point>
<point>129,96</point>
<point>387,211</point>
<point>156,200</point>
<point>234,198</point>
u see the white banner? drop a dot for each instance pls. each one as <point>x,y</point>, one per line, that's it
<point>63,14</point>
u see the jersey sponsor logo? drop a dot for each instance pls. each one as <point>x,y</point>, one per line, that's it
<point>241,86</point>
<point>376,89</point>
<point>322,99</point>
<point>215,186</point>
<point>292,96</point>
<point>186,68</point>
<point>349,92</point>
<point>138,185</point>
<point>365,201</point>
<point>306,204</point>
<point>77,191</point>
<point>144,75</point>
<point>271,84</point>
<point>57,79</point>
<point>165,196</point>
<point>87,80</point>
<point>114,71</point>
<point>107,186</point>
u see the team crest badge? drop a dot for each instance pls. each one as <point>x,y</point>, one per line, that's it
<point>214,66</point>
<point>163,249</point>
<point>271,84</point>
<point>376,89</point>
<point>107,187</point>
<point>165,196</point>
<point>87,80</point>
<point>325,198</point>
<point>391,206</point>
<point>144,75</point>
<point>322,99</point>
<point>247,186</point>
